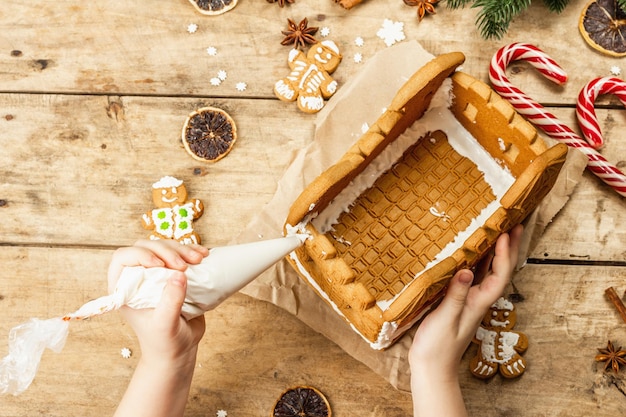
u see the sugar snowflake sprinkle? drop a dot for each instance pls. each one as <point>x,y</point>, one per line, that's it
<point>192,27</point>
<point>391,32</point>
<point>221,74</point>
<point>358,58</point>
<point>241,86</point>
<point>615,70</point>
<point>126,353</point>
<point>325,31</point>
<point>215,81</point>
<point>221,413</point>
<point>211,50</point>
<point>358,41</point>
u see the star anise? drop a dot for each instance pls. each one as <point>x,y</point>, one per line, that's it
<point>423,6</point>
<point>281,3</point>
<point>611,357</point>
<point>300,35</point>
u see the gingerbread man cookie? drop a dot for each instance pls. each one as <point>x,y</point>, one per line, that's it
<point>309,81</point>
<point>173,218</point>
<point>499,346</point>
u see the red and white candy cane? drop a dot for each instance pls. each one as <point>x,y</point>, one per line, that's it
<point>539,116</point>
<point>586,112</point>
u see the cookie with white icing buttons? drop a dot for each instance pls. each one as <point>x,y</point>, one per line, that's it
<point>499,346</point>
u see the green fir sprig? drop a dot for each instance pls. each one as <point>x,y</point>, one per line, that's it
<point>495,16</point>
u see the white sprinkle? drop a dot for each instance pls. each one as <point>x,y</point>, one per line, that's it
<point>192,27</point>
<point>241,86</point>
<point>221,74</point>
<point>358,58</point>
<point>221,413</point>
<point>358,41</point>
<point>211,50</point>
<point>615,70</point>
<point>391,32</point>
<point>325,31</point>
<point>215,81</point>
<point>126,353</point>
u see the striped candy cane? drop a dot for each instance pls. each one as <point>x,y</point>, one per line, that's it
<point>585,111</point>
<point>538,115</point>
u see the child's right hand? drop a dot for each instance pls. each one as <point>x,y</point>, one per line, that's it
<point>162,332</point>
<point>169,343</point>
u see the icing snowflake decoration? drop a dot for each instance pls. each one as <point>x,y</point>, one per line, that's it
<point>126,353</point>
<point>325,31</point>
<point>358,58</point>
<point>221,413</point>
<point>215,81</point>
<point>358,41</point>
<point>221,74</point>
<point>192,27</point>
<point>615,70</point>
<point>391,32</point>
<point>241,86</point>
<point>211,50</point>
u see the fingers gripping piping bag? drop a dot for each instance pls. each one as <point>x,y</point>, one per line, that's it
<point>225,271</point>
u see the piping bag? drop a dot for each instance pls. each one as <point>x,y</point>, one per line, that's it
<point>225,271</point>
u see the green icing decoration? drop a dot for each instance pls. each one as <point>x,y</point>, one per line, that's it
<point>165,226</point>
<point>161,214</point>
<point>183,226</point>
<point>183,212</point>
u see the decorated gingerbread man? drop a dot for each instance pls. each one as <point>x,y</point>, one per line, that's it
<point>309,81</point>
<point>173,218</point>
<point>499,346</point>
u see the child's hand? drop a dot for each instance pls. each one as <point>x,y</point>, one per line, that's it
<point>163,334</point>
<point>446,332</point>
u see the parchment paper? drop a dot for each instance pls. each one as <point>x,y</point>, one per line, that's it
<point>361,101</point>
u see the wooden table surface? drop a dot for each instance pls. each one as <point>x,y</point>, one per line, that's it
<point>93,96</point>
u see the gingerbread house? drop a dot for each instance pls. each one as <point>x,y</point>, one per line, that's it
<point>425,191</point>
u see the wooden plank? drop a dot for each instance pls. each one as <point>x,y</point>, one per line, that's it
<point>253,350</point>
<point>130,48</point>
<point>75,173</point>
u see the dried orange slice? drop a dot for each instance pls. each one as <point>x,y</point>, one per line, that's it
<point>603,25</point>
<point>302,402</point>
<point>213,7</point>
<point>209,134</point>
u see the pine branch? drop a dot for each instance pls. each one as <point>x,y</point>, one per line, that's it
<point>622,5</point>
<point>457,4</point>
<point>557,6</point>
<point>494,17</point>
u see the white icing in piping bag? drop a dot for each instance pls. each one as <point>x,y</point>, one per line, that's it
<point>225,271</point>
